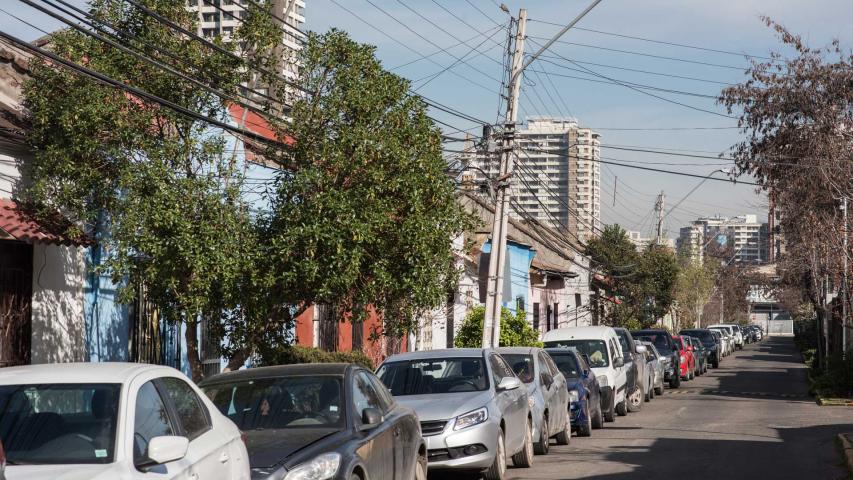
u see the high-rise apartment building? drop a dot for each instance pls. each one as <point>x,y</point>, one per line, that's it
<point>223,17</point>
<point>742,236</point>
<point>557,179</point>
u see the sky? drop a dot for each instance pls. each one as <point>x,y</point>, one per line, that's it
<point>410,29</point>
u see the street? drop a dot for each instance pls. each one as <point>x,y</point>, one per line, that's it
<point>751,418</point>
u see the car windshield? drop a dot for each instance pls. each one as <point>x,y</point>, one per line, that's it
<point>440,375</point>
<point>280,402</point>
<point>59,423</point>
<point>658,340</point>
<point>521,364</point>
<point>566,363</point>
<point>595,350</point>
<point>704,336</point>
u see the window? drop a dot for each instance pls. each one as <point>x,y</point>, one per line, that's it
<point>548,363</point>
<point>151,419</point>
<point>578,300</point>
<point>522,365</point>
<point>595,350</point>
<point>364,395</point>
<point>385,397</point>
<point>536,316</point>
<point>438,375</point>
<point>548,313</point>
<point>556,315</point>
<point>191,412</point>
<point>519,304</point>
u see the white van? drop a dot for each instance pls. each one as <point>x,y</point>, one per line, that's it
<point>600,346</point>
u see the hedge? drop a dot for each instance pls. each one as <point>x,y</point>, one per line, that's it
<point>289,355</point>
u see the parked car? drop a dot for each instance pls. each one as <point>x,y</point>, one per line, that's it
<point>601,347</point>
<point>687,360</point>
<point>2,462</point>
<point>700,354</point>
<point>474,411</point>
<point>739,340</point>
<point>638,376</point>
<point>547,395</point>
<point>728,337</point>
<point>584,392</point>
<point>103,421</point>
<point>709,342</point>
<point>736,337</point>
<point>335,420</point>
<point>665,345</point>
<point>656,365</point>
<point>721,344</point>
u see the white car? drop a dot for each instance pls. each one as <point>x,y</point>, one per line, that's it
<point>729,332</point>
<point>601,347</point>
<point>114,421</point>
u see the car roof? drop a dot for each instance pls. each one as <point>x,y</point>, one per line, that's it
<point>338,369</point>
<point>527,350</point>
<point>568,333</point>
<point>441,353</point>
<point>78,372</point>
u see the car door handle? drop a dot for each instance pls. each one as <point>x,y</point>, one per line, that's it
<point>223,458</point>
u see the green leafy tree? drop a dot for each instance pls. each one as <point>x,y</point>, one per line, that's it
<point>515,331</point>
<point>693,289</point>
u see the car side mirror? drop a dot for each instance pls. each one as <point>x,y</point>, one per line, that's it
<point>508,383</point>
<point>164,449</point>
<point>618,362</point>
<point>641,349</point>
<point>370,417</point>
<point>546,379</point>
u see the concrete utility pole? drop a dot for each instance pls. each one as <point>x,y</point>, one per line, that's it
<point>659,207</point>
<point>498,256</point>
<point>844,282</point>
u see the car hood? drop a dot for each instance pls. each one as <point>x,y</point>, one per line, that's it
<point>66,472</point>
<point>444,406</point>
<point>269,447</point>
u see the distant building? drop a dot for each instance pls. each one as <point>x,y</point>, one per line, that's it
<point>742,235</point>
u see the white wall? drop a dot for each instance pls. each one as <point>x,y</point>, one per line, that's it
<point>8,175</point>
<point>58,326</point>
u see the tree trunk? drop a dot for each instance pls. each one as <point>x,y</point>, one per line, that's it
<point>193,359</point>
<point>237,360</point>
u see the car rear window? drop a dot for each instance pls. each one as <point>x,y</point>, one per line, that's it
<point>659,340</point>
<point>566,363</point>
<point>595,350</point>
<point>440,375</point>
<point>521,364</point>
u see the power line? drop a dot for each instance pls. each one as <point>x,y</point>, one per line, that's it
<point>625,83</point>
<point>433,76</point>
<point>636,70</point>
<point>661,42</point>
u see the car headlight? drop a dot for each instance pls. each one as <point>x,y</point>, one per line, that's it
<point>573,396</point>
<point>602,380</point>
<point>322,467</point>
<point>531,401</point>
<point>471,418</point>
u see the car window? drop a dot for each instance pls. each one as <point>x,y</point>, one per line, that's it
<point>438,375</point>
<point>614,352</point>
<point>521,364</point>
<point>150,419</point>
<point>595,350</point>
<point>568,364</point>
<point>364,395</point>
<point>384,396</point>
<point>192,414</point>
<point>623,341</point>
<point>547,365</point>
<point>500,368</point>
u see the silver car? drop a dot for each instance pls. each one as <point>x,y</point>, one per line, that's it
<point>655,363</point>
<point>548,395</point>
<point>473,409</point>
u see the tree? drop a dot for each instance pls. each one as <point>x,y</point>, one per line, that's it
<point>365,216</point>
<point>693,289</point>
<point>613,252</point>
<point>515,331</point>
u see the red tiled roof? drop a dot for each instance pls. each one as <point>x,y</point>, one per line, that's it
<point>19,226</point>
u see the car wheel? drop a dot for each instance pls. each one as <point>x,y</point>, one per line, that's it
<point>524,458</point>
<point>610,413</point>
<point>497,471</point>
<point>585,429</point>
<point>650,395</point>
<point>635,400</point>
<point>622,408</point>
<point>598,419</point>
<point>675,381</point>
<point>564,436</point>
<point>541,446</point>
<point>421,472</point>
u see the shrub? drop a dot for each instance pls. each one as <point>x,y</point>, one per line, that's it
<point>515,332</point>
<point>294,354</point>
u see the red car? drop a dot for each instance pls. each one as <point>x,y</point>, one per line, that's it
<point>688,361</point>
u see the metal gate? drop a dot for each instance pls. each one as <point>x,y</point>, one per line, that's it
<point>16,292</point>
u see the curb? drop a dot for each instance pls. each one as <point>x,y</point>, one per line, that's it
<point>847,450</point>
<point>834,402</point>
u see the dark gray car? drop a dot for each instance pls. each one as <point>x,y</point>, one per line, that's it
<point>335,420</point>
<point>638,375</point>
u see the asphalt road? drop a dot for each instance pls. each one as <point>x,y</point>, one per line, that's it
<point>751,418</point>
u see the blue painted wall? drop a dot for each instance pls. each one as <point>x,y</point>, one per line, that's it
<point>107,324</point>
<point>516,274</point>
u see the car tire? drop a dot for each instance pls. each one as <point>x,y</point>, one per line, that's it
<point>675,381</point>
<point>421,468</point>
<point>497,471</point>
<point>542,445</point>
<point>622,408</point>
<point>659,390</point>
<point>610,413</point>
<point>598,419</point>
<point>564,437</point>
<point>524,458</point>
<point>634,401</point>
<point>651,394</point>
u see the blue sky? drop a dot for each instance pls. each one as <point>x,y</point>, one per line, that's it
<point>730,25</point>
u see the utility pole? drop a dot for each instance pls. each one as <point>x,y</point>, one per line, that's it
<point>497,258</point>
<point>659,207</point>
<point>844,282</point>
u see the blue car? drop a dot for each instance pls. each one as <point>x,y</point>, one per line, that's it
<point>584,393</point>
